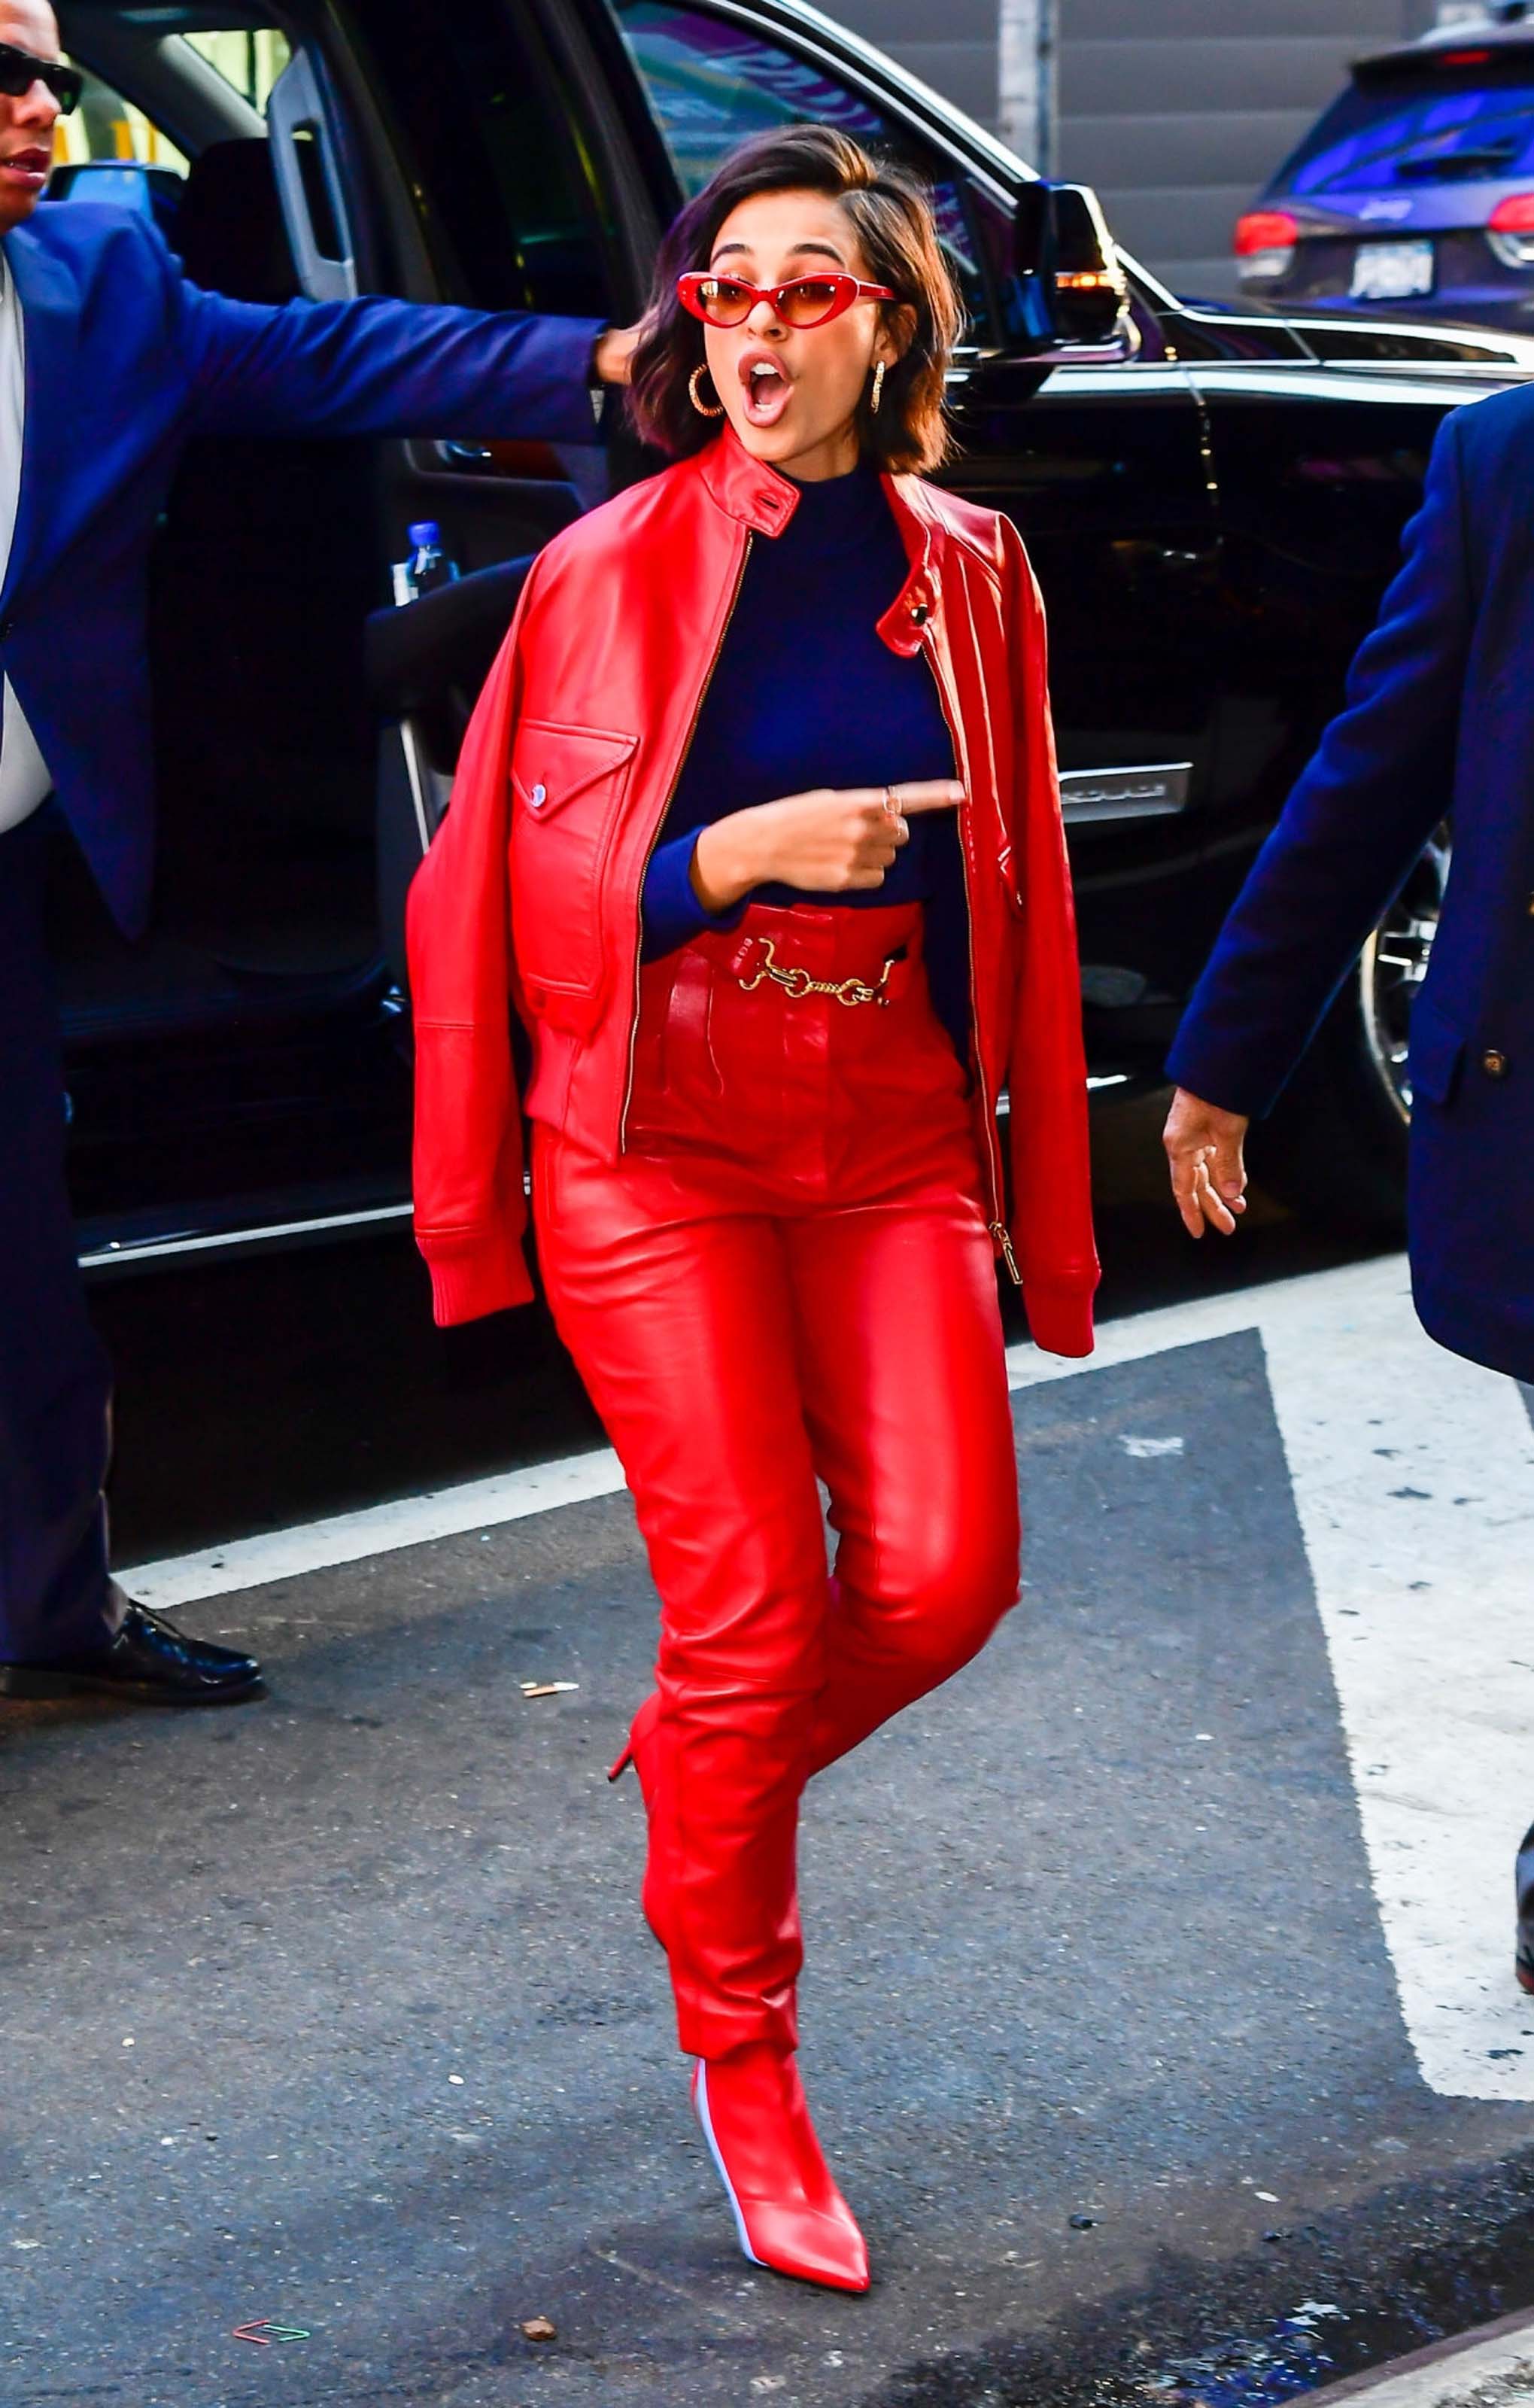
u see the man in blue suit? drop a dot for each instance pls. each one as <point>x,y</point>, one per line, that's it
<point>1439,723</point>
<point>108,363</point>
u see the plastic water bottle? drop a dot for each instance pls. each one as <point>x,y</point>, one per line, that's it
<point>428,567</point>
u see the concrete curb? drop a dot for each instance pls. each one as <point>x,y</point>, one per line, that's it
<point>1491,2364</point>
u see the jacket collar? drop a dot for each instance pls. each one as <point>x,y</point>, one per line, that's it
<point>754,491</point>
<point>749,490</point>
<point>924,536</point>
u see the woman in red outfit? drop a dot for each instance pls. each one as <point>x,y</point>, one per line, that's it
<point>757,823</point>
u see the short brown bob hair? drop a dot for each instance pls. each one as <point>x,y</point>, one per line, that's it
<point>892,217</point>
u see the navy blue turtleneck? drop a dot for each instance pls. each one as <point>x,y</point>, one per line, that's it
<point>805,694</point>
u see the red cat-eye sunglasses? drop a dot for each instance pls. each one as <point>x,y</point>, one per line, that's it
<point>803,301</point>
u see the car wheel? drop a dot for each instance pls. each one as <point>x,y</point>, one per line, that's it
<point>1334,1146</point>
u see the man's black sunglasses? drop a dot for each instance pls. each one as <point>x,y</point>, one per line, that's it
<point>20,71</point>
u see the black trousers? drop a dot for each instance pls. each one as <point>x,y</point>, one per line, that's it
<point>55,1384</point>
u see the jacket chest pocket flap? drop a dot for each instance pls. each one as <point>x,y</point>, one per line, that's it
<point>567,788</point>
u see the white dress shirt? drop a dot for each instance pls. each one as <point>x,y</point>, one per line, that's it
<point>24,781</point>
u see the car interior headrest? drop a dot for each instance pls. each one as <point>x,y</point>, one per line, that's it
<point>229,230</point>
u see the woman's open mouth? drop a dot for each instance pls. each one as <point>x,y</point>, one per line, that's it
<point>765,388</point>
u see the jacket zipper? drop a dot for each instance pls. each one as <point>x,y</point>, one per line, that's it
<point>997,1227</point>
<point>655,831</point>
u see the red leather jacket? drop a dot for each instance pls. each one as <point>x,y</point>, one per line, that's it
<point>532,887</point>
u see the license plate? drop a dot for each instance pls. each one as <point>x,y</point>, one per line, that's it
<point>1392,271</point>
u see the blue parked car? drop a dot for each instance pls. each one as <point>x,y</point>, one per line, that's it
<point>1413,192</point>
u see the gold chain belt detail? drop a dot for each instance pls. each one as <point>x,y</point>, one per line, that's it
<point>797,982</point>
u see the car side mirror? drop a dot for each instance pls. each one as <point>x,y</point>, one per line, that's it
<point>1069,290</point>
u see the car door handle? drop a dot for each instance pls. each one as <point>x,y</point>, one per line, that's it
<point>529,459</point>
<point>298,118</point>
<point>1142,553</point>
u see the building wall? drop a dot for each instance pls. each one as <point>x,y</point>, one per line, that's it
<point>1177,110</point>
<point>962,65</point>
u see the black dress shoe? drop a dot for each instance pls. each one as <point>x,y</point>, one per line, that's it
<point>1523,1876</point>
<point>149,1662</point>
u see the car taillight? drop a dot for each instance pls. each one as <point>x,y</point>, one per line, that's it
<point>1510,230</point>
<point>1265,242</point>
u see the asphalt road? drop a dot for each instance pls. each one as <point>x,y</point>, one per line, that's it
<point>336,2010</point>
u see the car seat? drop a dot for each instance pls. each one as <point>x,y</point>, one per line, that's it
<point>229,229</point>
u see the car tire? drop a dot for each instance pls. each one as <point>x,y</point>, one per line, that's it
<point>1334,1147</point>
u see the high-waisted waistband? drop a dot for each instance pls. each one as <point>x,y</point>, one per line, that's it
<point>793,1036</point>
<point>800,953</point>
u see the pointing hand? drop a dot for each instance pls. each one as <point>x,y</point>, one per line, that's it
<point>833,841</point>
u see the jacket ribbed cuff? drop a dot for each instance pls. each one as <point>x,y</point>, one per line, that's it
<point>1060,1314</point>
<point>490,1275</point>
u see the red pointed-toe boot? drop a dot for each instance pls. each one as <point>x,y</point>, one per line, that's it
<point>639,1751</point>
<point>788,2211</point>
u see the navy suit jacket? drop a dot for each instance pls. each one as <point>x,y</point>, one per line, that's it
<point>1438,723</point>
<point>125,361</point>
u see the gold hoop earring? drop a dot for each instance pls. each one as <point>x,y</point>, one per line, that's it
<point>878,385</point>
<point>701,407</point>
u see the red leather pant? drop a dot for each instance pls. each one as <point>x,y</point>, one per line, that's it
<point>787,1276</point>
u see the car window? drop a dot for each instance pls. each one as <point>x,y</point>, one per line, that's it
<point>108,129</point>
<point>510,186</point>
<point>1383,136</point>
<point>250,60</point>
<point>110,149</point>
<point>712,84</point>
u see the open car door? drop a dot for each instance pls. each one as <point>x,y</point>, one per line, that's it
<point>480,116</point>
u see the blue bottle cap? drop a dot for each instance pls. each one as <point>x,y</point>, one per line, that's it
<point>424,531</point>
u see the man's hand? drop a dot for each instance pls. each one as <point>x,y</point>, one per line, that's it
<point>614,350</point>
<point>830,841</point>
<point>1204,1153</point>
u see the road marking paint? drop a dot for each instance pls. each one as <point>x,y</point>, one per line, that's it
<point>1140,1334</point>
<point>1412,1474</point>
<point>375,1530</point>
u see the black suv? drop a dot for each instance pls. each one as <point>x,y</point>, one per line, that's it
<point>1213,500</point>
